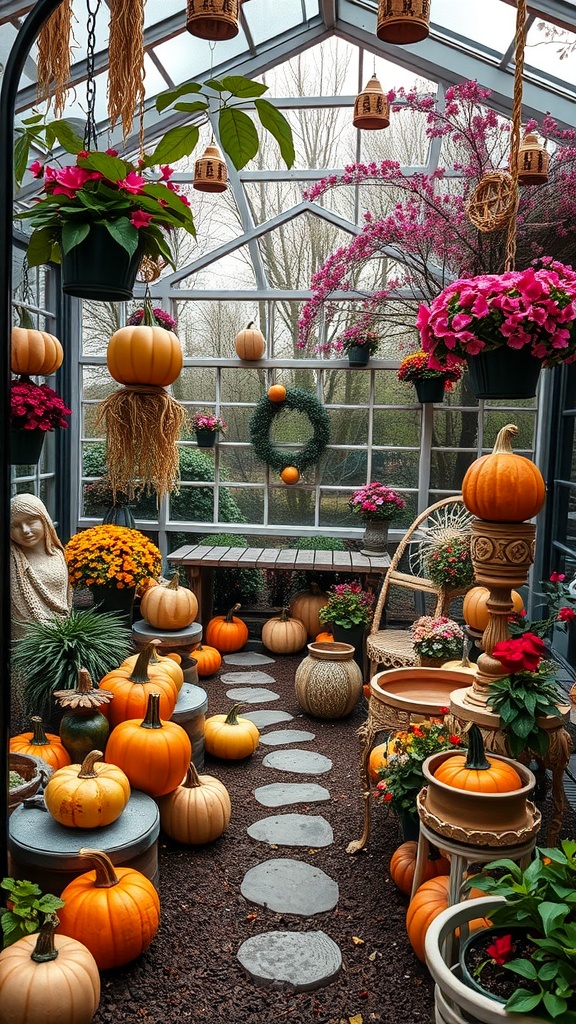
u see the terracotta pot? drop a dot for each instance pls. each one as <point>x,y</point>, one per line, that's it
<point>480,812</point>
<point>328,682</point>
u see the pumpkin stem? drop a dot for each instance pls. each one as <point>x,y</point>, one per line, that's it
<point>25,319</point>
<point>192,780</point>
<point>39,739</point>
<point>84,684</point>
<point>232,716</point>
<point>504,439</point>
<point>148,320</point>
<point>140,670</point>
<point>285,615</point>
<point>476,757</point>
<point>87,767</point>
<point>106,876</point>
<point>45,949</point>
<point>315,589</point>
<point>230,614</point>
<point>152,717</point>
<point>174,582</point>
<point>251,324</point>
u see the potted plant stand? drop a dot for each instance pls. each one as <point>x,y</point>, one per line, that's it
<point>455,1002</point>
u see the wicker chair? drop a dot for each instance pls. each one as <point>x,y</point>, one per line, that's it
<point>392,648</point>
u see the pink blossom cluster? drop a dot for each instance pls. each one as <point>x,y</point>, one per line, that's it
<point>36,406</point>
<point>376,501</point>
<point>205,421</point>
<point>534,308</point>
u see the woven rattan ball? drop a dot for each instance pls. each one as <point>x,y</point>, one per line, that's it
<point>493,202</point>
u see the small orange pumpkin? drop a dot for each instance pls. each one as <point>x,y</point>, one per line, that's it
<point>144,355</point>
<point>132,685</point>
<point>226,632</point>
<point>326,638</point>
<point>283,634</point>
<point>114,911</point>
<point>34,353</point>
<point>403,865</point>
<point>504,487</point>
<point>170,664</point>
<point>169,606</point>
<point>88,795</point>
<point>379,757</point>
<point>154,754</point>
<point>208,660</point>
<point>42,744</point>
<point>277,393</point>
<point>250,344</point>
<point>290,475</point>
<point>476,772</point>
<point>230,736</point>
<point>430,899</point>
<point>475,611</point>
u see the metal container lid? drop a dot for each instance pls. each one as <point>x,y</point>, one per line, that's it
<point>192,700</point>
<point>36,838</point>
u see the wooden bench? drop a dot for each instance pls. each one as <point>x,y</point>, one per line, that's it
<point>199,562</point>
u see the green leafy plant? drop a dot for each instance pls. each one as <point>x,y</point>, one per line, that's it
<point>132,201</point>
<point>449,564</point>
<point>51,652</point>
<point>348,606</point>
<point>541,898</point>
<point>29,909</point>
<point>401,778</point>
<point>527,694</point>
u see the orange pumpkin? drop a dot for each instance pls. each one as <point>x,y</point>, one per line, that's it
<point>306,606</point>
<point>132,686</point>
<point>170,664</point>
<point>114,911</point>
<point>208,660</point>
<point>283,634</point>
<point>326,638</point>
<point>144,355</point>
<point>379,757</point>
<point>226,632</point>
<point>403,865</point>
<point>504,487</point>
<point>42,744</point>
<point>290,475</point>
<point>430,899</point>
<point>277,393</point>
<point>34,353</point>
<point>154,754</point>
<point>169,606</point>
<point>476,772</point>
<point>229,736</point>
<point>475,611</point>
<point>88,795</point>
<point>250,343</point>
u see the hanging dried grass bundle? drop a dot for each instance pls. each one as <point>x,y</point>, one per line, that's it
<point>126,66</point>
<point>142,425</point>
<point>54,55</point>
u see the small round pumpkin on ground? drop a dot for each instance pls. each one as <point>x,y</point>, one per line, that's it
<point>197,811</point>
<point>306,605</point>
<point>227,633</point>
<point>403,865</point>
<point>208,660</point>
<point>229,736</point>
<point>283,634</point>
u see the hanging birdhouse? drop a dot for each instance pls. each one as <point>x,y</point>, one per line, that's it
<point>371,108</point>
<point>213,19</point>
<point>533,162</point>
<point>403,21</point>
<point>210,174</point>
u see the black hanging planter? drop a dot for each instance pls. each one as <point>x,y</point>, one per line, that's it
<point>358,355</point>
<point>26,446</point>
<point>504,373</point>
<point>430,390</point>
<point>119,515</point>
<point>100,268</point>
<point>205,438</point>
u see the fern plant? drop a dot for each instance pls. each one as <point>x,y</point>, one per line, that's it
<point>50,653</point>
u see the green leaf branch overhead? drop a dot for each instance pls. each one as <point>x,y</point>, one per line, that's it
<point>136,205</point>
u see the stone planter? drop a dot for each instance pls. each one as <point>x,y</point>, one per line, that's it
<point>455,1002</point>
<point>33,770</point>
<point>375,540</point>
<point>328,682</point>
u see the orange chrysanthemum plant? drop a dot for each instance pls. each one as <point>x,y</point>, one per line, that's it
<point>112,556</point>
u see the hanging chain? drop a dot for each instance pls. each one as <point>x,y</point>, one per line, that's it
<point>521,15</point>
<point>90,129</point>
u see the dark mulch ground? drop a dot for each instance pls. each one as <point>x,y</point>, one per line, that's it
<point>191,971</point>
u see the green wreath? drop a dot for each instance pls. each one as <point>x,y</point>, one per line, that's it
<point>261,421</point>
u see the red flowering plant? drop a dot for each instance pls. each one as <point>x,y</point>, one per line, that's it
<point>36,406</point>
<point>416,366</point>
<point>526,694</point>
<point>401,777</point>
<point>560,600</point>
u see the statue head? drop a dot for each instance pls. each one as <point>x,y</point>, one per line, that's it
<point>30,524</point>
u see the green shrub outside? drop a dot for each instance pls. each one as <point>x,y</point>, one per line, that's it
<point>234,585</point>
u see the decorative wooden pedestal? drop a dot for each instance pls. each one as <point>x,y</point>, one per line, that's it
<point>178,641</point>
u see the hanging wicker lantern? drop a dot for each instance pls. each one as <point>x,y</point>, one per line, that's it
<point>371,108</point>
<point>533,162</point>
<point>493,202</point>
<point>210,174</point>
<point>213,19</point>
<point>403,21</point>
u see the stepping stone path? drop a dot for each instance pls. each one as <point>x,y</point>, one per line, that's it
<point>298,961</point>
<point>275,739</point>
<point>252,695</point>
